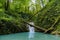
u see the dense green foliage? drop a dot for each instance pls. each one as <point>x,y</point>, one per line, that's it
<point>49,17</point>
<point>12,15</point>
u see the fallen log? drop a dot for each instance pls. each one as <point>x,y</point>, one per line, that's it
<point>52,27</point>
<point>56,32</point>
<point>36,26</point>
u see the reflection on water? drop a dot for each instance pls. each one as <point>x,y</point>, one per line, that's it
<point>31,35</point>
<point>24,36</point>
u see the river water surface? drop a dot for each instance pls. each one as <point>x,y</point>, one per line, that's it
<point>25,36</point>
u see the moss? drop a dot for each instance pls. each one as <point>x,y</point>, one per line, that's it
<point>48,15</point>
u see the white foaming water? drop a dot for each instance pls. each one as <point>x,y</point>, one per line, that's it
<point>31,30</point>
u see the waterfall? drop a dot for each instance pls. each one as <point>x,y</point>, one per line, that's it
<point>31,30</point>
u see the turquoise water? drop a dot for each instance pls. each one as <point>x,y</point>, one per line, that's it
<point>25,36</point>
